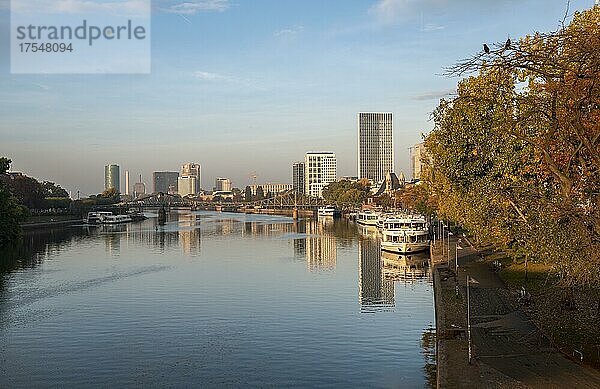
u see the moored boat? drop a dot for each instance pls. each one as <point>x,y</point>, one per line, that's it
<point>367,218</point>
<point>115,219</point>
<point>328,211</point>
<point>94,217</point>
<point>405,234</point>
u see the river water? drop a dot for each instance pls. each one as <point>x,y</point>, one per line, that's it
<point>214,300</point>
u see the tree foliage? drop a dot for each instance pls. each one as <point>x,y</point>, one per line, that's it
<point>11,212</point>
<point>346,193</point>
<point>515,156</point>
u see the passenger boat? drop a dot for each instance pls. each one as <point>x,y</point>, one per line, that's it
<point>405,234</point>
<point>367,218</point>
<point>328,211</point>
<point>115,219</point>
<point>94,217</point>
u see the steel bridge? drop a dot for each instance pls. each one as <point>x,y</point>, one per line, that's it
<point>284,200</point>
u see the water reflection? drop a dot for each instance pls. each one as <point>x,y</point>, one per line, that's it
<point>375,292</point>
<point>321,247</point>
<point>406,268</point>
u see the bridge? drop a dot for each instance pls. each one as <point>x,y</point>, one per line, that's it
<point>288,200</point>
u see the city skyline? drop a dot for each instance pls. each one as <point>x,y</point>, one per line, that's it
<point>249,86</point>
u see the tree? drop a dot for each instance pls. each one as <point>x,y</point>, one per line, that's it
<point>52,190</point>
<point>346,193</point>
<point>260,194</point>
<point>248,194</point>
<point>11,212</point>
<point>516,155</point>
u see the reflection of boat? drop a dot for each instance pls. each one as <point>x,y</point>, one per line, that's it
<point>367,218</point>
<point>328,211</point>
<point>402,266</point>
<point>405,234</point>
<point>136,216</point>
<point>94,217</point>
<point>114,219</point>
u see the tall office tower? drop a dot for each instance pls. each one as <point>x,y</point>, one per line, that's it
<point>127,182</point>
<point>320,169</point>
<point>186,186</point>
<point>165,182</point>
<point>112,177</point>
<point>192,170</point>
<point>298,177</point>
<point>375,146</point>
<point>139,189</point>
<point>223,185</point>
<point>418,153</point>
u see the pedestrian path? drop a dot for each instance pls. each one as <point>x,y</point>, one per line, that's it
<point>508,350</point>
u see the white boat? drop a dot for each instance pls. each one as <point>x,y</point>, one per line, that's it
<point>367,218</point>
<point>115,219</point>
<point>405,234</point>
<point>94,217</point>
<point>328,211</point>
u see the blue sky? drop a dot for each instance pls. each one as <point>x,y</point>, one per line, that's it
<point>243,86</point>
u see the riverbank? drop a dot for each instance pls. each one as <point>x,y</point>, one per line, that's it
<point>508,350</point>
<point>36,222</point>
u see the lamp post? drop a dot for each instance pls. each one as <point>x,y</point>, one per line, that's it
<point>469,317</point>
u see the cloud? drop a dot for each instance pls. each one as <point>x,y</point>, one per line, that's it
<point>195,6</point>
<point>432,27</point>
<point>208,76</point>
<point>434,95</point>
<point>289,32</point>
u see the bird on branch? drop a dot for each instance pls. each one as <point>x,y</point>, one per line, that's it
<point>507,45</point>
<point>486,48</point>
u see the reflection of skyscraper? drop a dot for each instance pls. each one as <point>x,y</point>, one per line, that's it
<point>374,291</point>
<point>406,268</point>
<point>189,233</point>
<point>321,248</point>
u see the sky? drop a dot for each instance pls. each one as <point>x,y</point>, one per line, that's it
<point>244,86</point>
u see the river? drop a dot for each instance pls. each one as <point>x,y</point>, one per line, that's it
<point>214,300</point>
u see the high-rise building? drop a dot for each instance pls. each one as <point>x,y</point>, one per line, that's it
<point>270,188</point>
<point>375,146</point>
<point>298,177</point>
<point>112,177</point>
<point>417,155</point>
<point>193,170</point>
<point>127,182</point>
<point>139,189</point>
<point>320,169</point>
<point>186,186</point>
<point>165,182</point>
<point>223,185</point>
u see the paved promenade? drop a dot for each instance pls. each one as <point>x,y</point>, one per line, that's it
<point>508,350</point>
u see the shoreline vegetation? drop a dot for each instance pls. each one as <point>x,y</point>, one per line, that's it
<point>514,161</point>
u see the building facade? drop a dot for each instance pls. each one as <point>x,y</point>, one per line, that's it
<point>375,145</point>
<point>193,170</point>
<point>298,177</point>
<point>139,189</point>
<point>223,185</point>
<point>186,186</point>
<point>320,169</point>
<point>417,155</point>
<point>165,182</point>
<point>271,188</point>
<point>112,177</point>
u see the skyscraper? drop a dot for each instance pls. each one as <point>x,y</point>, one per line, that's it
<point>223,185</point>
<point>192,170</point>
<point>298,177</point>
<point>127,182</point>
<point>418,154</point>
<point>375,146</point>
<point>320,169</point>
<point>165,182</point>
<point>186,186</point>
<point>112,177</point>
